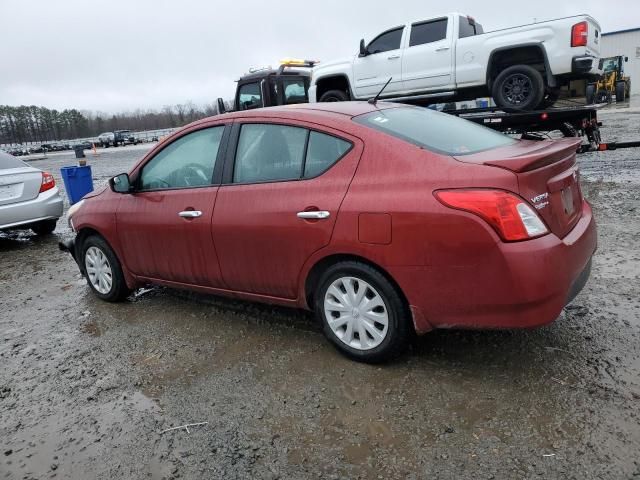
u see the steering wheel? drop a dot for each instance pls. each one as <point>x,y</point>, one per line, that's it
<point>195,175</point>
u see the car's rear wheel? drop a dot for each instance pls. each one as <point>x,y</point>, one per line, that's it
<point>518,88</point>
<point>103,270</point>
<point>334,96</point>
<point>362,312</point>
<point>44,227</point>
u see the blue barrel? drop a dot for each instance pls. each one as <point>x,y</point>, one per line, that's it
<point>77,182</point>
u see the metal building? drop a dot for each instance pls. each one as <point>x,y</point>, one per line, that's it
<point>627,43</point>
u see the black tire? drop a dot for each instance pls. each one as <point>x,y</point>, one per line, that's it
<point>119,290</point>
<point>399,326</point>
<point>44,227</point>
<point>334,96</point>
<point>590,93</point>
<point>518,88</point>
<point>620,92</point>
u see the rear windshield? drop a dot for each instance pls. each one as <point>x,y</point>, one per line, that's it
<point>9,161</point>
<point>435,131</point>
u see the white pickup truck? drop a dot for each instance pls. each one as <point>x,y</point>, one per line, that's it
<point>450,58</point>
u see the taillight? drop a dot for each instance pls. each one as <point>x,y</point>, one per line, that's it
<point>47,182</point>
<point>509,215</point>
<point>579,34</point>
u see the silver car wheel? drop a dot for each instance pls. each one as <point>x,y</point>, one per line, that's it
<point>98,270</point>
<point>356,313</point>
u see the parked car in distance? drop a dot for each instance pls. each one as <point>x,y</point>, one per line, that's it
<point>29,198</point>
<point>118,137</point>
<point>357,211</point>
<point>451,58</point>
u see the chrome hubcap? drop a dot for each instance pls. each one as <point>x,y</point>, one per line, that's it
<point>98,270</point>
<point>356,313</point>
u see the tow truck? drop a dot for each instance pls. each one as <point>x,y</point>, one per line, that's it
<point>268,87</point>
<point>289,84</point>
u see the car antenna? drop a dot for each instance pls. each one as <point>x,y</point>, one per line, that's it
<point>373,100</point>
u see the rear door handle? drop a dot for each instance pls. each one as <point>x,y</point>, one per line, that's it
<point>314,214</point>
<point>190,214</point>
<point>393,57</point>
<point>442,49</point>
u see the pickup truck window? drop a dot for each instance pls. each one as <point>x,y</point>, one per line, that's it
<point>435,131</point>
<point>427,32</point>
<point>468,28</point>
<point>250,96</point>
<point>389,40</point>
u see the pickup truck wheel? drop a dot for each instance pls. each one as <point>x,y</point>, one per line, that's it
<point>334,96</point>
<point>518,88</point>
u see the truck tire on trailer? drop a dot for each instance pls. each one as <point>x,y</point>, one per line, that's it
<point>334,96</point>
<point>620,91</point>
<point>590,93</point>
<point>518,88</point>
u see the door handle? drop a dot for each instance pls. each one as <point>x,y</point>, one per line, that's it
<point>442,49</point>
<point>314,214</point>
<point>393,57</point>
<point>190,214</point>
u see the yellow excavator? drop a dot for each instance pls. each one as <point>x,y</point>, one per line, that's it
<point>611,83</point>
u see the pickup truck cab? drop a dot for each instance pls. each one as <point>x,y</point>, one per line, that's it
<point>451,58</point>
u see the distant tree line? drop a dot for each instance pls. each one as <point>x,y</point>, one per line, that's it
<point>32,124</point>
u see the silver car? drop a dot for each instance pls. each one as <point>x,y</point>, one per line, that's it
<point>29,198</point>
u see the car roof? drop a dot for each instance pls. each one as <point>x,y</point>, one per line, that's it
<point>335,110</point>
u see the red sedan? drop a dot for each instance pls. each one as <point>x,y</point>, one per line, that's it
<point>383,219</point>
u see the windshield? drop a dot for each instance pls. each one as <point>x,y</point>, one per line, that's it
<point>435,131</point>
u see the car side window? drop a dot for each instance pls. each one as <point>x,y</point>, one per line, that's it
<point>249,96</point>
<point>468,28</point>
<point>268,152</point>
<point>386,41</point>
<point>428,32</point>
<point>187,162</point>
<point>322,152</point>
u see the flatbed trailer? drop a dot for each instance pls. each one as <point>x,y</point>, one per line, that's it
<point>578,121</point>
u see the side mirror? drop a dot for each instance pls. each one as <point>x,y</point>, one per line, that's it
<point>221,107</point>
<point>363,49</point>
<point>626,59</point>
<point>121,183</point>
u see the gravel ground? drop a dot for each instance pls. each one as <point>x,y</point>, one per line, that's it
<point>87,389</point>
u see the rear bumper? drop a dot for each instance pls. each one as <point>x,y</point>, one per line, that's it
<point>585,66</point>
<point>47,205</point>
<point>520,285</point>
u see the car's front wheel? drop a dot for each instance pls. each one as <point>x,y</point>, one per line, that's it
<point>103,270</point>
<point>362,312</point>
<point>518,88</point>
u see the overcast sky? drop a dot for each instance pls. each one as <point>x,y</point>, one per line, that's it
<point>122,55</point>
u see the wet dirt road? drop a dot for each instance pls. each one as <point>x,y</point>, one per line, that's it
<point>87,389</point>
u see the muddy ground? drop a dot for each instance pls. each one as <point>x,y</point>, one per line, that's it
<point>87,388</point>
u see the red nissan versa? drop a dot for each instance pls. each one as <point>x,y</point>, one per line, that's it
<point>384,219</point>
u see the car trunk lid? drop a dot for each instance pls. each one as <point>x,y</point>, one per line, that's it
<point>19,184</point>
<point>547,178</point>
